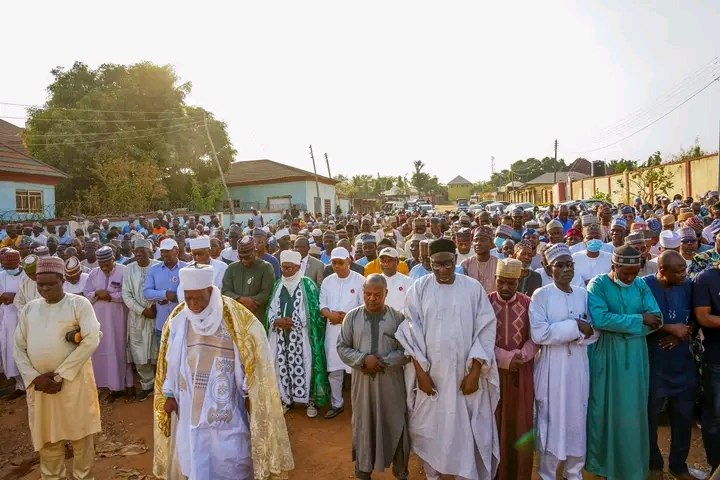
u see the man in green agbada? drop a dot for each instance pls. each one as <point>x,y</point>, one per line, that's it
<point>624,310</point>
<point>296,333</point>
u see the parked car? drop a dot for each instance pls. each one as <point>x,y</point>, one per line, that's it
<point>587,205</point>
<point>462,205</point>
<point>526,206</point>
<point>494,206</point>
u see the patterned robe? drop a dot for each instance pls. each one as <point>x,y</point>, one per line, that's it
<point>514,414</point>
<point>299,354</point>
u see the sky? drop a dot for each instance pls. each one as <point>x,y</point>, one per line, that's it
<point>377,85</point>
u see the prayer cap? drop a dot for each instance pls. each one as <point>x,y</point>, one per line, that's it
<point>142,243</point>
<point>626,255</point>
<point>314,250</point>
<point>553,224</point>
<point>339,253</point>
<point>669,239</point>
<point>654,225</point>
<point>509,268</point>
<point>639,224</point>
<point>556,251</point>
<point>42,252</point>
<point>199,243</point>
<point>29,263</point>
<point>532,224</point>
<point>504,230</point>
<point>463,233</point>
<point>197,277</point>
<point>484,231</point>
<point>685,213</point>
<point>25,241</point>
<point>259,232</point>
<point>105,254</point>
<point>72,266</point>
<point>10,257</point>
<point>171,233</point>
<point>434,220</point>
<point>282,233</point>
<point>419,222</point>
<point>524,244</point>
<point>635,238</point>
<point>246,244</point>
<point>235,228</point>
<point>529,232</point>
<point>590,220</point>
<point>695,223</point>
<point>290,256</point>
<point>442,245</point>
<point>618,222</point>
<point>317,233</point>
<point>168,244</point>
<point>388,252</point>
<point>573,232</point>
<point>49,265</point>
<point>417,237</point>
<point>687,234</point>
<point>626,209</point>
<point>592,228</point>
<point>368,238</point>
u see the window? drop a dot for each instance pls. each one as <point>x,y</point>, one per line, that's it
<point>28,201</point>
<point>226,204</point>
<point>328,208</point>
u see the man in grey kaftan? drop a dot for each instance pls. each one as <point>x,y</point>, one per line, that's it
<point>367,344</point>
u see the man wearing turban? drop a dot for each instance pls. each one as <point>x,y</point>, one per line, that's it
<point>296,333</point>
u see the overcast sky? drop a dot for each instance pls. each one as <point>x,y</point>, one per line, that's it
<point>377,85</point>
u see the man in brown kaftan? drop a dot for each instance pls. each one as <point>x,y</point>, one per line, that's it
<point>514,352</point>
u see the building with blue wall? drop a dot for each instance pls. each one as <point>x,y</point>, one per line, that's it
<point>272,187</point>
<point>27,186</point>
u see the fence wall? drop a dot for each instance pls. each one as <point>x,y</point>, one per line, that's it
<point>690,178</point>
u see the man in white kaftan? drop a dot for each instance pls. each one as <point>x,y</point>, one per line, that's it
<point>27,289</point>
<point>340,293</point>
<point>200,251</point>
<point>560,324</point>
<point>452,384</point>
<point>75,278</point>
<point>141,342</point>
<point>9,281</point>
<point>397,283</point>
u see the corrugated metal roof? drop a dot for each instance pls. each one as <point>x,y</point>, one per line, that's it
<point>256,172</point>
<point>14,161</point>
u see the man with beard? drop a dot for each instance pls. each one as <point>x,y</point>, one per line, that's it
<point>52,244</point>
<point>455,370</point>
<point>200,252</point>
<point>482,266</point>
<point>249,280</point>
<point>296,333</point>
<point>564,218</point>
<point>515,352</point>
<point>10,276</point>
<point>75,277</point>
<point>142,345</point>
<point>618,230</point>
<point>624,310</point>
<point>529,280</point>
<point>463,239</point>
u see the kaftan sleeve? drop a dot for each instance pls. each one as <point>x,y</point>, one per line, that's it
<point>604,319</point>
<point>395,357</point>
<point>347,352</point>
<point>410,333</point>
<point>22,360</point>
<point>89,289</point>
<point>504,357</point>
<point>529,350</point>
<point>542,331</point>
<point>227,285</point>
<point>266,285</point>
<point>90,333</point>
<point>484,333</point>
<point>324,297</point>
<point>130,302</point>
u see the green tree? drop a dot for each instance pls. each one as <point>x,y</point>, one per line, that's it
<point>420,180</point>
<point>598,195</point>
<point>622,165</point>
<point>659,180</point>
<point>693,152</point>
<point>137,113</point>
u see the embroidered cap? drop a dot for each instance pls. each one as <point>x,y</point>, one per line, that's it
<point>626,255</point>
<point>509,268</point>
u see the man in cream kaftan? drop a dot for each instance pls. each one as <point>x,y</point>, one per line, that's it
<point>141,342</point>
<point>210,362</point>
<point>448,328</point>
<point>561,379</point>
<point>62,398</point>
<point>9,281</point>
<point>27,289</point>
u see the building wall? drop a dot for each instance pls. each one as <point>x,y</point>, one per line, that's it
<point>7,200</point>
<point>327,192</point>
<point>459,191</point>
<point>690,178</point>
<point>259,194</point>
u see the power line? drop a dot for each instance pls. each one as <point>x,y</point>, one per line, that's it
<point>80,120</point>
<point>52,135</point>
<point>105,140</point>
<point>698,92</point>
<point>79,109</point>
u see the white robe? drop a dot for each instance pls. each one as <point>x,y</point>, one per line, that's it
<point>454,433</point>
<point>27,291</point>
<point>339,295</point>
<point>229,254</point>
<point>8,323</point>
<point>561,377</point>
<point>586,268</point>
<point>217,451</point>
<point>397,287</point>
<point>547,280</point>
<point>76,288</point>
<point>463,256</point>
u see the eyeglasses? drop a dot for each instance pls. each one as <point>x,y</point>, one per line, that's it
<point>438,265</point>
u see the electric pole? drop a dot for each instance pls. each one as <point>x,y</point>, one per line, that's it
<point>327,162</point>
<point>555,165</point>
<point>222,175</point>
<point>492,165</point>
<point>317,184</point>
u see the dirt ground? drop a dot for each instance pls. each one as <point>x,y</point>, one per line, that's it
<point>321,447</point>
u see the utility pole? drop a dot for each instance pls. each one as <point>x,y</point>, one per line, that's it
<point>327,162</point>
<point>555,165</point>
<point>222,175</point>
<point>317,205</point>
<point>492,165</point>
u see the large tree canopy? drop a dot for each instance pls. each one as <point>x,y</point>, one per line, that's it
<point>133,114</point>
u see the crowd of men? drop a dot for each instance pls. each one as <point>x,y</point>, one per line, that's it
<point>471,340</point>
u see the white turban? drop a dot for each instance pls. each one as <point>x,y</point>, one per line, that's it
<point>290,256</point>
<point>199,243</point>
<point>197,277</point>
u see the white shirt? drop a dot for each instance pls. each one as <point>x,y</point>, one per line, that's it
<point>547,280</point>
<point>463,256</point>
<point>78,287</point>
<point>339,295</point>
<point>586,268</point>
<point>40,239</point>
<point>397,286</point>
<point>304,265</point>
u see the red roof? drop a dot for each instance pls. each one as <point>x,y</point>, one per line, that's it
<point>260,172</point>
<point>15,158</point>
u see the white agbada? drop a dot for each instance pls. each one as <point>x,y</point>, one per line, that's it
<point>212,438</point>
<point>8,323</point>
<point>447,327</point>
<point>561,377</point>
<point>547,279</point>
<point>397,287</point>
<point>76,288</point>
<point>586,268</point>
<point>339,295</point>
<point>219,273</point>
<point>27,291</point>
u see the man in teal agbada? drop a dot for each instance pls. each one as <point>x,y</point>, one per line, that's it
<point>296,333</point>
<point>624,310</point>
